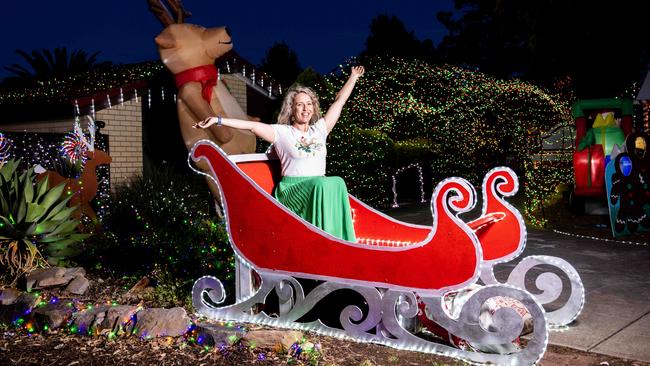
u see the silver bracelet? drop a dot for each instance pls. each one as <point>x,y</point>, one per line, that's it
<point>219,120</point>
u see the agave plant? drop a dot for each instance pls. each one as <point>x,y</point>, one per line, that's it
<point>35,221</point>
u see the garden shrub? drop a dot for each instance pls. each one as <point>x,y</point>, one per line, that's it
<point>471,121</point>
<point>363,158</point>
<point>161,223</point>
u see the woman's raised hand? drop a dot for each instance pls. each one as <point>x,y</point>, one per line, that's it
<point>205,123</point>
<point>358,70</point>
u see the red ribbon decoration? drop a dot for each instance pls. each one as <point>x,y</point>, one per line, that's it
<point>207,75</point>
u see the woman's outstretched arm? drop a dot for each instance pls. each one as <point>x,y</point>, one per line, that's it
<point>334,112</point>
<point>259,129</point>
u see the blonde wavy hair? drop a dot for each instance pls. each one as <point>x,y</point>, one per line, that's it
<point>285,116</point>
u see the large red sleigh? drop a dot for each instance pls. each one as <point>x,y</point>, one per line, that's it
<point>389,265</point>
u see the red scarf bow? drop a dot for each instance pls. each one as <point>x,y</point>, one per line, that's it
<point>206,74</point>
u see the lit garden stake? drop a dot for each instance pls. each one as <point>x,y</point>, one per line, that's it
<point>74,149</point>
<point>5,149</point>
<point>394,177</point>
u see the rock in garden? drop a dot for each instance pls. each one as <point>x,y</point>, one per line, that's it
<point>53,276</point>
<point>87,320</point>
<point>20,308</point>
<point>117,318</point>
<point>104,319</point>
<point>54,314</point>
<point>216,335</point>
<point>9,295</point>
<point>78,286</point>
<point>272,338</point>
<point>161,322</point>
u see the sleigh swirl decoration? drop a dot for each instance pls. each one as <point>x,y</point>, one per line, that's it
<point>505,239</point>
<point>391,266</point>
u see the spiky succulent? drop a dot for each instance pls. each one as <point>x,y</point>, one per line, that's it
<point>35,220</point>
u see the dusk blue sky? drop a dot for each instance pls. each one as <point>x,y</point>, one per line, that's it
<point>323,33</point>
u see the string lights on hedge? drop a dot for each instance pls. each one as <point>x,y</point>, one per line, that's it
<point>452,121</point>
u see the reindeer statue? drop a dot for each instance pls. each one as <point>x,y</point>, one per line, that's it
<point>189,52</point>
<point>84,188</point>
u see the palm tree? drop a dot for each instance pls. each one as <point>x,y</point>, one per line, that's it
<point>46,64</point>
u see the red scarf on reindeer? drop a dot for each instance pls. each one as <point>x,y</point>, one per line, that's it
<point>207,75</point>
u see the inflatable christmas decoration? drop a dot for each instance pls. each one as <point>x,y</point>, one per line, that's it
<point>611,161</point>
<point>393,266</point>
<point>189,51</point>
<point>597,131</point>
<point>627,178</point>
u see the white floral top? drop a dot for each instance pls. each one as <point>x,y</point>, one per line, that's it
<point>301,154</point>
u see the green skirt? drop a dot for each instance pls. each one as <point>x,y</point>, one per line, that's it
<point>323,201</point>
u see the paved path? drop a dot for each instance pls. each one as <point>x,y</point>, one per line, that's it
<point>616,318</point>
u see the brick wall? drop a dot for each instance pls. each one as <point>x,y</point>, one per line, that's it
<point>237,87</point>
<point>124,130</point>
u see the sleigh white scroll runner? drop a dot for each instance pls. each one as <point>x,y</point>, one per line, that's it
<point>391,265</point>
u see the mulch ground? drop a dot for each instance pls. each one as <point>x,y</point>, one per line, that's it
<point>57,348</point>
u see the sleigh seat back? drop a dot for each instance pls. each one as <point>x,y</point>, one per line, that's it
<point>370,226</point>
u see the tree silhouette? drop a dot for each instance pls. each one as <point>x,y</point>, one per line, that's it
<point>601,45</point>
<point>389,37</point>
<point>281,62</point>
<point>46,64</point>
<point>311,78</point>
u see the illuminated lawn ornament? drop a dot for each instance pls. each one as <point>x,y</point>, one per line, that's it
<point>392,264</point>
<point>394,178</point>
<point>76,147</point>
<point>74,150</point>
<point>5,149</point>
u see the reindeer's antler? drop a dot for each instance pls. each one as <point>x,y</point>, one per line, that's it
<point>167,10</point>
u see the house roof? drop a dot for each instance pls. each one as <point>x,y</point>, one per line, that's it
<point>99,88</point>
<point>83,85</point>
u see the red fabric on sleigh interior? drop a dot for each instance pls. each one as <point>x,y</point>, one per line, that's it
<point>370,226</point>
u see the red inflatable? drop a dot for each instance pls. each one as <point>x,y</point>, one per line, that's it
<point>589,168</point>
